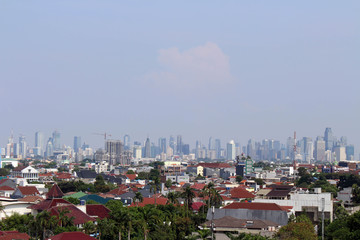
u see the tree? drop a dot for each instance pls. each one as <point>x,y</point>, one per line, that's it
<point>355,193</point>
<point>239,178</point>
<point>246,236</point>
<point>4,171</point>
<point>302,171</point>
<point>302,228</point>
<point>73,200</point>
<point>172,198</point>
<point>188,194</point>
<point>168,183</point>
<point>138,198</point>
<point>89,228</point>
<point>130,172</point>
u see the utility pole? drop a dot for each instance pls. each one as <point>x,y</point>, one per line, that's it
<point>212,224</point>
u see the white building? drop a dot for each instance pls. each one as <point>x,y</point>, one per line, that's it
<point>28,173</point>
<point>230,150</point>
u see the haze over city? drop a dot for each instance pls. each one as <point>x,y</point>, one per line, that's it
<point>231,71</point>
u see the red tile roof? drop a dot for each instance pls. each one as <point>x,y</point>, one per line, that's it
<point>6,188</point>
<point>240,192</point>
<point>48,203</point>
<point>18,169</point>
<point>28,190</point>
<point>196,205</point>
<point>97,210</point>
<point>11,235</point>
<point>79,216</point>
<point>117,191</point>
<point>55,192</point>
<point>3,180</point>
<point>131,176</point>
<point>147,201</point>
<point>72,236</point>
<point>198,186</point>
<point>254,206</point>
<point>31,199</point>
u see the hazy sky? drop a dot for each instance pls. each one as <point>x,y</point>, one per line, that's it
<point>227,69</point>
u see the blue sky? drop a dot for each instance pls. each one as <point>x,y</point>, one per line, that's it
<point>227,69</point>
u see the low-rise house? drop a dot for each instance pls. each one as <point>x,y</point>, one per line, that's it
<point>6,191</point>
<point>86,176</point>
<point>7,182</point>
<point>21,192</point>
<point>252,211</point>
<point>151,200</point>
<point>253,226</point>
<point>13,235</point>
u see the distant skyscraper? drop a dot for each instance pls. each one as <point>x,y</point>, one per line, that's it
<point>179,144</point>
<point>162,145</point>
<point>319,151</point>
<point>115,149</point>
<point>218,148</point>
<point>186,149</point>
<point>211,145</point>
<point>39,144</point>
<point>127,142</point>
<point>230,150</point>
<point>340,153</point>
<point>49,148</point>
<point>147,150</point>
<point>77,143</point>
<point>172,143</point>
<point>350,152</point>
<point>22,146</point>
<point>329,139</point>
<point>56,140</point>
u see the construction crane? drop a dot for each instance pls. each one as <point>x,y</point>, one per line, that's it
<point>103,134</point>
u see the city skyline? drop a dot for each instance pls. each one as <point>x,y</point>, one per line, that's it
<point>261,70</point>
<point>212,143</point>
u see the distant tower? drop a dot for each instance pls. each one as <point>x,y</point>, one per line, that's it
<point>329,139</point>
<point>39,144</point>
<point>22,146</point>
<point>230,150</point>
<point>294,156</point>
<point>218,148</point>
<point>147,149</point>
<point>77,143</point>
<point>56,140</point>
<point>127,142</point>
<point>179,144</point>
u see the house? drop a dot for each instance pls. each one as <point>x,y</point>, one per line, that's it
<point>21,192</point>
<point>12,206</point>
<point>86,176</point>
<point>28,173</point>
<point>79,217</point>
<point>12,235</point>
<point>6,191</point>
<point>240,193</point>
<point>71,236</point>
<point>254,226</point>
<point>97,211</point>
<point>252,211</point>
<point>152,200</point>
<point>8,182</point>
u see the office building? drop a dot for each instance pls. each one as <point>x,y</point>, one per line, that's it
<point>162,145</point>
<point>39,144</point>
<point>329,139</point>
<point>319,151</point>
<point>230,150</point>
<point>127,142</point>
<point>147,148</point>
<point>340,153</point>
<point>179,144</point>
<point>77,143</point>
<point>56,140</point>
<point>350,152</point>
<point>114,149</point>
<point>218,148</point>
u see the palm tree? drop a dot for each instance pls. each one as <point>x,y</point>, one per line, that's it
<point>89,227</point>
<point>138,198</point>
<point>155,184</point>
<point>188,194</point>
<point>172,198</point>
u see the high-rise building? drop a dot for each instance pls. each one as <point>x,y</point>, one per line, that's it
<point>185,149</point>
<point>22,147</point>
<point>230,150</point>
<point>211,145</point>
<point>319,151</point>
<point>172,143</point>
<point>49,148</point>
<point>137,152</point>
<point>56,140</point>
<point>115,149</point>
<point>350,152</point>
<point>251,149</point>
<point>39,144</point>
<point>77,143</point>
<point>127,142</point>
<point>162,145</point>
<point>340,153</point>
<point>329,139</point>
<point>179,144</point>
<point>147,149</point>
<point>218,148</point>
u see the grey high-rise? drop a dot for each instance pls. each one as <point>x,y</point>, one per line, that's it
<point>77,143</point>
<point>329,139</point>
<point>114,149</point>
<point>147,150</point>
<point>162,145</point>
<point>179,144</point>
<point>39,144</point>
<point>56,140</point>
<point>319,151</point>
<point>127,142</point>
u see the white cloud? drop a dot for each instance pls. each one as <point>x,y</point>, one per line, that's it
<point>202,66</point>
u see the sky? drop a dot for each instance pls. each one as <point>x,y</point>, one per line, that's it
<point>226,69</point>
